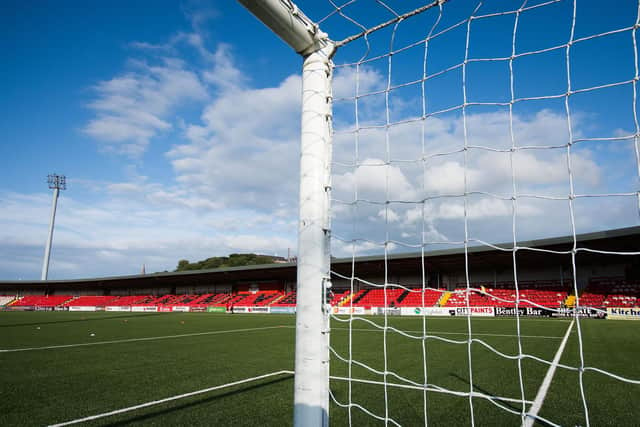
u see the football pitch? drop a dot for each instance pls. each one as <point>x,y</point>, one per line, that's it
<point>57,367</point>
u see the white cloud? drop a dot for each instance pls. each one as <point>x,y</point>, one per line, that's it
<point>245,152</point>
<point>135,106</point>
<point>375,180</point>
<point>224,73</point>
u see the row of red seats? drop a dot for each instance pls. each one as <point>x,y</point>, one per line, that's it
<point>506,297</point>
<point>42,300</point>
<point>288,300</point>
<point>602,292</point>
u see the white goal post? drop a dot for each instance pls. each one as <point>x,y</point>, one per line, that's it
<point>311,381</point>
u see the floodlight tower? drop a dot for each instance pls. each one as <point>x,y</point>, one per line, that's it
<point>56,183</point>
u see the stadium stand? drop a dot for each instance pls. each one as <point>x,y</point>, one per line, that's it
<point>338,298</point>
<point>288,300</point>
<point>129,300</point>
<point>377,298</point>
<point>603,292</point>
<point>413,298</point>
<point>89,301</point>
<point>600,293</point>
<point>42,300</point>
<point>261,298</point>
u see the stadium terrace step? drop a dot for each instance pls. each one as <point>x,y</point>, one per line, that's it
<point>444,298</point>
<point>402,297</point>
<point>348,296</point>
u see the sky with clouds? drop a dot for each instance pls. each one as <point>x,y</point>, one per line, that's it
<point>177,125</point>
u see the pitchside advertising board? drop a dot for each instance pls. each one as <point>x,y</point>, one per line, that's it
<point>447,311</point>
<point>348,310</point>
<point>522,311</point>
<point>84,308</point>
<point>283,310</point>
<point>141,309</point>
<point>623,313</point>
<point>117,308</point>
<point>580,312</point>
<point>251,309</point>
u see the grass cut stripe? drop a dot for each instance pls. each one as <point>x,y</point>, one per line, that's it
<point>164,337</point>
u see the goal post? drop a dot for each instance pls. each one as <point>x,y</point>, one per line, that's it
<point>311,380</point>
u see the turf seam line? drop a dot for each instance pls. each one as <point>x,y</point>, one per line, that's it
<point>169,399</point>
<point>195,334</point>
<point>532,414</point>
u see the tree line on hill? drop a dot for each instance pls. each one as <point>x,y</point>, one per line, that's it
<point>233,260</point>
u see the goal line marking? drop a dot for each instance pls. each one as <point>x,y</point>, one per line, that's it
<point>169,399</point>
<point>532,414</point>
<point>164,337</point>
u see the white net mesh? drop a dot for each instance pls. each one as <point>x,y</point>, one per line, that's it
<point>459,126</point>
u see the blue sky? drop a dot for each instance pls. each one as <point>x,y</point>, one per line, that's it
<point>177,125</point>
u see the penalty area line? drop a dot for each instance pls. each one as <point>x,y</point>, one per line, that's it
<point>169,399</point>
<point>164,337</point>
<point>532,414</point>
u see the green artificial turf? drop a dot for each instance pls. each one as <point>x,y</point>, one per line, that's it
<point>155,356</point>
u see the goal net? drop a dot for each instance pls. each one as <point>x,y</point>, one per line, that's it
<point>466,134</point>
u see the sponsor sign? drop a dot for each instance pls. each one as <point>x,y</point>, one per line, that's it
<point>623,313</point>
<point>117,308</point>
<point>522,311</point>
<point>348,310</point>
<point>474,311</point>
<point>145,308</point>
<point>164,309</point>
<point>181,308</point>
<point>214,309</point>
<point>582,312</point>
<point>250,309</point>
<point>43,308</point>
<point>426,311</point>
<point>287,310</point>
<point>198,309</point>
<point>82,308</point>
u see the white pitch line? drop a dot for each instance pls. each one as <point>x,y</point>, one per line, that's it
<point>458,333</point>
<point>531,415</point>
<point>195,334</point>
<point>168,399</point>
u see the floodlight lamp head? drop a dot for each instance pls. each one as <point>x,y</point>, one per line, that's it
<point>57,181</point>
